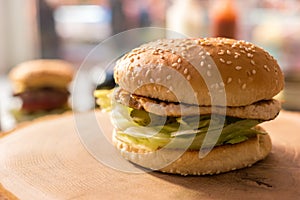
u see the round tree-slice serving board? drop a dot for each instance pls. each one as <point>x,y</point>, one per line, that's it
<point>47,159</point>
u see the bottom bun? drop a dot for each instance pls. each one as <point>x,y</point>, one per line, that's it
<point>220,159</point>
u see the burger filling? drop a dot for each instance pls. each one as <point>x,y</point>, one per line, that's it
<point>43,99</point>
<point>138,127</point>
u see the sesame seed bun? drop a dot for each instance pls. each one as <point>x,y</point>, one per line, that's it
<point>41,73</point>
<point>221,159</point>
<point>156,70</point>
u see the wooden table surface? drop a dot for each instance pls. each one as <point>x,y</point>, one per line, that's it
<point>47,159</point>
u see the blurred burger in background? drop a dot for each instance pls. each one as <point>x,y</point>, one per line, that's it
<point>42,86</point>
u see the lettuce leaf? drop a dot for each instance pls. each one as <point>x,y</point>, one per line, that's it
<point>153,132</point>
<point>103,99</point>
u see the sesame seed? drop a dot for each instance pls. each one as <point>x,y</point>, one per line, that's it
<point>253,71</point>
<point>229,80</point>
<point>173,52</point>
<point>201,63</point>
<point>162,57</point>
<point>209,66</point>
<point>228,52</point>
<point>267,68</point>
<point>221,52</point>
<point>179,60</point>
<point>174,64</point>
<point>201,53</point>
<point>238,67</point>
<point>155,53</point>
<point>169,77</point>
<point>228,62</point>
<point>207,53</point>
<point>249,55</point>
<point>236,56</point>
<point>178,66</point>
<point>222,60</point>
<point>160,51</point>
<point>208,73</point>
<point>185,71</point>
<point>233,45</point>
<point>252,62</point>
<point>188,77</point>
<point>244,86</point>
<point>147,72</point>
<point>151,80</point>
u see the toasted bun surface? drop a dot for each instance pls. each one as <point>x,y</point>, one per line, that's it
<point>41,73</point>
<point>221,159</point>
<point>168,69</point>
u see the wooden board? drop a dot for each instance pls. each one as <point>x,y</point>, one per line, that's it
<point>47,160</point>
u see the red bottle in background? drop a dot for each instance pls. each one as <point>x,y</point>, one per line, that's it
<point>224,18</point>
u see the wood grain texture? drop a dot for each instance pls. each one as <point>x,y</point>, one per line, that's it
<point>47,160</point>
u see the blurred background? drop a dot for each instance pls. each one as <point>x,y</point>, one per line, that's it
<point>70,29</point>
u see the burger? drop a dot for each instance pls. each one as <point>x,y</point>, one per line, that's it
<point>193,106</point>
<point>42,87</point>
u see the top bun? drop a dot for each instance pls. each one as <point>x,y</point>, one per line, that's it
<point>41,73</point>
<point>200,71</point>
